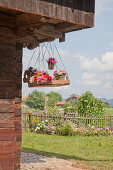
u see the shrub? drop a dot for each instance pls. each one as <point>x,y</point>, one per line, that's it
<point>70,110</point>
<point>88,104</point>
<point>65,130</point>
<point>45,127</point>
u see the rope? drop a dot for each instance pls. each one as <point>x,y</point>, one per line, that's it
<point>48,51</point>
<point>51,50</point>
<point>43,55</point>
<point>31,57</point>
<point>38,56</point>
<point>60,57</point>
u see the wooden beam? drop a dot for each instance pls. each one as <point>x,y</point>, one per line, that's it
<point>62,39</point>
<point>47,32</point>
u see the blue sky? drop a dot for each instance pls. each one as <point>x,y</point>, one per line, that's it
<point>87,55</point>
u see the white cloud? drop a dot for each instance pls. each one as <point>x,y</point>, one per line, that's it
<point>108,76</point>
<point>103,64</point>
<point>88,76</point>
<point>91,82</point>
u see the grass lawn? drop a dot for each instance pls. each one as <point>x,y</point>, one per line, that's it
<point>96,151</point>
<point>109,110</point>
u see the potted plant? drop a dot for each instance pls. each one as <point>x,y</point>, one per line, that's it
<point>28,73</point>
<point>51,63</point>
<point>60,74</point>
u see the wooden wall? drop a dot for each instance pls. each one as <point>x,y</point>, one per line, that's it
<point>75,11</point>
<point>10,96</point>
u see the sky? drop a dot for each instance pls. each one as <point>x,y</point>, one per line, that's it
<point>87,56</point>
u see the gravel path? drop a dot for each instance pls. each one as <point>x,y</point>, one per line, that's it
<point>38,162</point>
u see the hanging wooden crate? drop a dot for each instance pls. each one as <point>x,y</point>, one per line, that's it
<point>53,83</point>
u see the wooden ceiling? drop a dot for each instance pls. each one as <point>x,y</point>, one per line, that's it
<point>33,29</point>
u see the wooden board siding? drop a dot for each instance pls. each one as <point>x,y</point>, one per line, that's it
<point>74,11</point>
<point>10,95</point>
<point>39,21</point>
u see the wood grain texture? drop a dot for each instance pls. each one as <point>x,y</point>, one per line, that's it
<point>62,10</point>
<point>10,99</point>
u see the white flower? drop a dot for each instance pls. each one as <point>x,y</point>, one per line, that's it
<point>31,79</point>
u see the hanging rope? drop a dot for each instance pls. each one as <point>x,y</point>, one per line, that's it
<point>60,57</point>
<point>31,58</point>
<point>38,55</point>
<point>43,55</point>
<point>51,50</point>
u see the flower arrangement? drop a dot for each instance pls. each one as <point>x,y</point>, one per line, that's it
<point>60,74</point>
<point>51,63</point>
<point>52,60</point>
<point>41,77</point>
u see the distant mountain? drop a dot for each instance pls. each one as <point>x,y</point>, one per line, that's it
<point>110,101</point>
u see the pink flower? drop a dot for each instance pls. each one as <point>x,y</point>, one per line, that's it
<point>64,72</point>
<point>49,78</point>
<point>55,72</point>
<point>53,61</point>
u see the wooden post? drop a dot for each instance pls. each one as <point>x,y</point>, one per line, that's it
<point>10,96</point>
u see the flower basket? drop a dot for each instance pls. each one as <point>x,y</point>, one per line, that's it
<point>50,66</point>
<point>51,63</point>
<point>59,77</point>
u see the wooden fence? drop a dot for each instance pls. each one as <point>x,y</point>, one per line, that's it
<point>101,121</point>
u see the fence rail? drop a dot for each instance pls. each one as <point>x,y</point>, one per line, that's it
<point>100,121</point>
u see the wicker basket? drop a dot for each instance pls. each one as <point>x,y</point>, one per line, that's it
<point>59,77</point>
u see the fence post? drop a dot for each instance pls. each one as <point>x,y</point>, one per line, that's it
<point>30,121</point>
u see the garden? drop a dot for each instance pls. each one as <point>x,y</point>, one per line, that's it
<point>82,133</point>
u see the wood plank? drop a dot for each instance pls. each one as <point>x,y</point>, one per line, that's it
<point>7,120</point>
<point>54,83</point>
<point>45,9</point>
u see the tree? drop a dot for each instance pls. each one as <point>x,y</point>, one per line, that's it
<point>36,100</point>
<point>67,105</point>
<point>88,104</point>
<point>53,98</point>
<point>73,95</point>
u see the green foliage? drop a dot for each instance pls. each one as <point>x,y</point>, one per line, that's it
<point>45,127</point>
<point>36,100</point>
<point>65,130</point>
<point>70,110</point>
<point>73,102</point>
<point>72,130</point>
<point>67,104</point>
<point>88,104</point>
<point>53,98</point>
<point>53,110</point>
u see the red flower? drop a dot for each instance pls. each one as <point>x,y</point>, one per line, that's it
<point>35,78</point>
<point>45,76</point>
<point>49,78</point>
<point>36,74</point>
